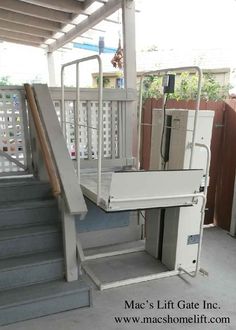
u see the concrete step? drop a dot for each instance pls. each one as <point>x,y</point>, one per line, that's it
<point>42,299</point>
<point>29,240</point>
<point>23,190</point>
<point>31,269</point>
<point>33,212</point>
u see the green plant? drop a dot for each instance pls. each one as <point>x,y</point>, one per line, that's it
<point>186,88</point>
<point>212,90</point>
<point>152,87</point>
<point>4,81</point>
<point>105,82</point>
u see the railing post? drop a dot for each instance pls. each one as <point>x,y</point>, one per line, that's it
<point>100,130</point>
<point>70,244</point>
<point>130,77</point>
<point>77,127</point>
<point>62,112</point>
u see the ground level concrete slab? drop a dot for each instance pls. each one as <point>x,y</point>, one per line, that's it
<point>180,297</point>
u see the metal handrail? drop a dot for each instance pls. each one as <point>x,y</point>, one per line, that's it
<point>164,71</point>
<point>76,117</point>
<point>45,149</point>
<point>13,160</point>
<point>204,197</point>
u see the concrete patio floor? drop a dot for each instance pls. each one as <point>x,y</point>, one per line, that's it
<point>218,258</point>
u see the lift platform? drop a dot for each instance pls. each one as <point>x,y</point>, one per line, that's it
<point>139,190</point>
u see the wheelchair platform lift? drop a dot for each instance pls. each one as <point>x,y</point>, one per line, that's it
<point>173,198</point>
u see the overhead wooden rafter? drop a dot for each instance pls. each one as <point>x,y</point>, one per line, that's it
<point>22,7</point>
<point>27,20</point>
<point>34,31</point>
<point>68,6</point>
<point>92,20</point>
<point>37,22</point>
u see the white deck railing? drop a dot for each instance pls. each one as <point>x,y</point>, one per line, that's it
<point>14,138</point>
<point>14,135</point>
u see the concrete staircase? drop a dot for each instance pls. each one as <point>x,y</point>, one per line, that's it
<point>31,254</point>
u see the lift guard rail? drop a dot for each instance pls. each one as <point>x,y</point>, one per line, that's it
<point>76,118</point>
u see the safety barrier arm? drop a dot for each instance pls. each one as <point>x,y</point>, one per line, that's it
<point>165,71</point>
<point>51,170</point>
<point>77,124</point>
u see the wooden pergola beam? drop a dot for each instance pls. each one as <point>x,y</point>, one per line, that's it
<point>106,10</point>
<point>36,11</point>
<point>21,37</point>
<point>87,3</point>
<point>26,20</point>
<point>15,27</point>
<point>70,6</point>
<point>21,42</point>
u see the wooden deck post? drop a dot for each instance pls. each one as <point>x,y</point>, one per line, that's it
<point>128,18</point>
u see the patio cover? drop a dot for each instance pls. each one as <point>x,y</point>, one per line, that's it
<point>51,24</point>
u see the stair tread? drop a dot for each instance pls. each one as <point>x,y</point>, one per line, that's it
<point>42,291</point>
<point>16,183</point>
<point>26,231</point>
<point>18,178</point>
<point>28,204</point>
<point>29,260</point>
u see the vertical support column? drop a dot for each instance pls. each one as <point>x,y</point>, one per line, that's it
<point>51,69</point>
<point>128,18</point>
<point>70,246</point>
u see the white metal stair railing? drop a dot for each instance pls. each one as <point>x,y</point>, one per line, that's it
<point>76,116</point>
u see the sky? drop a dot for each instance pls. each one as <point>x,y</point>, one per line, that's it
<point>167,24</point>
<point>186,23</point>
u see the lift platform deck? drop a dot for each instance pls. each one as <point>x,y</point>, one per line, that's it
<point>134,190</point>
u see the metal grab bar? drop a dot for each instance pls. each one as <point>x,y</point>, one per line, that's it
<point>76,117</point>
<point>204,196</point>
<point>46,153</point>
<point>13,160</point>
<point>164,71</point>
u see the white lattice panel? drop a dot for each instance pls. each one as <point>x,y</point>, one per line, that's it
<point>94,131</point>
<point>12,138</point>
<point>115,129</point>
<point>107,134</point>
<point>88,134</point>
